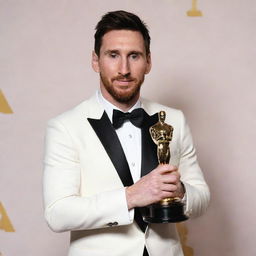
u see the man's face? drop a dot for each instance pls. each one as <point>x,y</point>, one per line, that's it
<point>122,64</point>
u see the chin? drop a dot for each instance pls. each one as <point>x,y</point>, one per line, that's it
<point>125,97</point>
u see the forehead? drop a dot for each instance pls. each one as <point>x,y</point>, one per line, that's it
<point>123,40</point>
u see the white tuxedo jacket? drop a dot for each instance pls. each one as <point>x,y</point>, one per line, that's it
<point>84,194</point>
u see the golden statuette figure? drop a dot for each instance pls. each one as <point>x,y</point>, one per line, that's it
<point>168,209</point>
<point>161,134</point>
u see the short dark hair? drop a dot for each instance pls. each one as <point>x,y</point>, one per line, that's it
<point>118,20</point>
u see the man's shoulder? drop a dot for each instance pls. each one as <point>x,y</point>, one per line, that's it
<point>152,107</point>
<point>86,109</point>
<point>71,113</point>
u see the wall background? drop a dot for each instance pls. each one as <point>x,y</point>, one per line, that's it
<point>202,65</point>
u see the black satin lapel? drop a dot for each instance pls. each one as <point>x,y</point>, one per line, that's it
<point>109,139</point>
<point>149,159</point>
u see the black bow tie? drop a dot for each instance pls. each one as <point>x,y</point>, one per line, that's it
<point>136,117</point>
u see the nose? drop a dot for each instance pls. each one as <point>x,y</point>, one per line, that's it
<point>124,67</point>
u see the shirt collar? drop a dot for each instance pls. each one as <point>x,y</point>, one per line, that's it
<point>109,107</point>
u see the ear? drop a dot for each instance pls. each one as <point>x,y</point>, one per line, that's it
<point>149,64</point>
<point>95,62</point>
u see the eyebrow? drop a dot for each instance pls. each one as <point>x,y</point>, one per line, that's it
<point>136,52</point>
<point>111,51</point>
<point>117,51</point>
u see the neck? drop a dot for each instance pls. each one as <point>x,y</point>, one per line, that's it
<point>125,106</point>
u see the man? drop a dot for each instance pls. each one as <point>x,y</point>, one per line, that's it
<point>99,172</point>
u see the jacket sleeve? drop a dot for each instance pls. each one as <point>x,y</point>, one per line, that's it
<point>197,191</point>
<point>65,208</point>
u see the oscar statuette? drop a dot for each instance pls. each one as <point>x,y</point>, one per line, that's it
<point>168,209</point>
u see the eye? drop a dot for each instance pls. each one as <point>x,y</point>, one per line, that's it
<point>134,56</point>
<point>113,55</point>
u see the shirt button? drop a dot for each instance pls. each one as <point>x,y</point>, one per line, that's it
<point>130,136</point>
<point>133,164</point>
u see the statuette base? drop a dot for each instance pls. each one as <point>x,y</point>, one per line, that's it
<point>159,213</point>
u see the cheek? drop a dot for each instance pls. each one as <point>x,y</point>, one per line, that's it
<point>140,71</point>
<point>107,68</point>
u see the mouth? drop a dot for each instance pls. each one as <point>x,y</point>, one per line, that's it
<point>124,82</point>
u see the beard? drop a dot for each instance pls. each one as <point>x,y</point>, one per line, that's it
<point>119,96</point>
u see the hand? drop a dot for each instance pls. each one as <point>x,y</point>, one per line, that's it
<point>162,182</point>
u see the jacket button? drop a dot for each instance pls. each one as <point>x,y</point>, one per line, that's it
<point>110,224</point>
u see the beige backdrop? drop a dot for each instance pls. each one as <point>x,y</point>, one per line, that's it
<point>203,65</point>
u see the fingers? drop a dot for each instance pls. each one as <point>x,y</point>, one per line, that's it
<point>169,183</point>
<point>169,174</point>
<point>171,178</point>
<point>165,168</point>
<point>169,187</point>
<point>162,182</point>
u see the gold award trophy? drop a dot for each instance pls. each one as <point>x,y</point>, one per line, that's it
<point>168,209</point>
